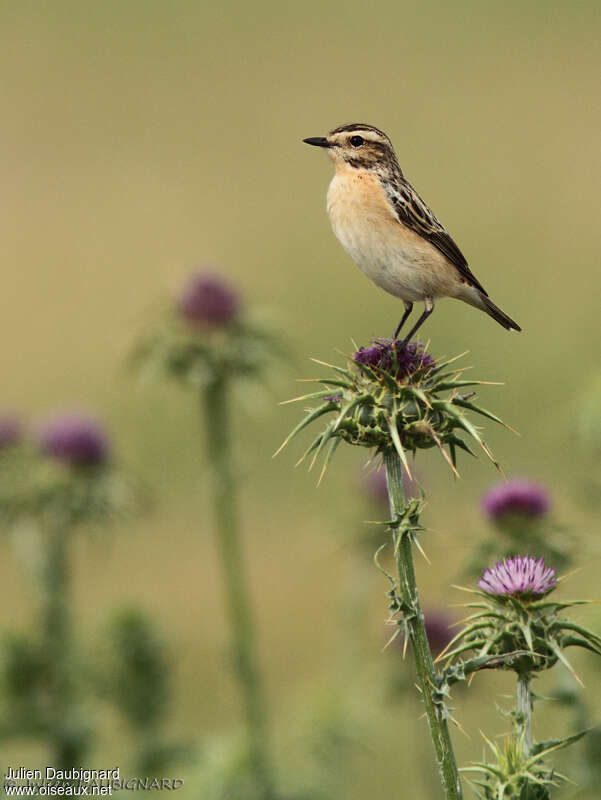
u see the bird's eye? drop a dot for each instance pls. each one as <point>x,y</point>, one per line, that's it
<point>357,141</point>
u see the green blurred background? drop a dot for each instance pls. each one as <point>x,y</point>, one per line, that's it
<point>140,140</point>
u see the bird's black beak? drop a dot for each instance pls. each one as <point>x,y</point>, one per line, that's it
<point>317,141</point>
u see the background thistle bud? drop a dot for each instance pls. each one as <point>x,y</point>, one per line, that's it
<point>74,439</point>
<point>204,337</point>
<point>517,498</point>
<point>207,299</point>
<point>519,510</point>
<point>68,475</point>
<point>439,627</point>
<point>522,576</point>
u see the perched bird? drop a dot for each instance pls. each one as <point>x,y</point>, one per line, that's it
<point>388,230</point>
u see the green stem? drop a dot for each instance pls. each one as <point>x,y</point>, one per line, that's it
<point>218,430</point>
<point>524,710</point>
<point>439,729</point>
<point>68,747</point>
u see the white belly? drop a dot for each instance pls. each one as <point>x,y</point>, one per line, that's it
<point>366,229</point>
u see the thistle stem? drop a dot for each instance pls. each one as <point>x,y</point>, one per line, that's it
<point>524,710</point>
<point>439,729</point>
<point>68,747</point>
<point>218,429</point>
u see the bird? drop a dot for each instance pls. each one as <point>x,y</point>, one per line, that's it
<point>389,231</point>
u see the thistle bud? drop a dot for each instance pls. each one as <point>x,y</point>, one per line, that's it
<point>207,299</point>
<point>74,439</point>
<point>516,499</point>
<point>205,338</point>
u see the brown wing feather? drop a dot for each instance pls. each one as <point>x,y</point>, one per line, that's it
<point>415,214</point>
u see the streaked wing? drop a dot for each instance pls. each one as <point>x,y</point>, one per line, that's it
<point>415,214</point>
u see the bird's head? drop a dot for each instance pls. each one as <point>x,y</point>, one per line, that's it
<point>357,146</point>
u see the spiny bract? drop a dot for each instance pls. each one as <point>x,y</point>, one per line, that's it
<point>394,396</point>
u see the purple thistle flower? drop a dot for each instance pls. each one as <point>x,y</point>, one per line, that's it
<point>333,398</point>
<point>517,497</point>
<point>11,430</point>
<point>519,576</point>
<point>207,298</point>
<point>74,439</point>
<point>391,356</point>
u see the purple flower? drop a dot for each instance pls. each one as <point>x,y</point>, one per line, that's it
<point>377,488</point>
<point>391,356</point>
<point>11,430</point>
<point>74,439</point>
<point>519,576</point>
<point>516,497</point>
<point>438,628</point>
<point>207,298</point>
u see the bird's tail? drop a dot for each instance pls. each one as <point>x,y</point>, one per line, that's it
<point>496,313</point>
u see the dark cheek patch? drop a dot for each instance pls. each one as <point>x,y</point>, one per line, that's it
<point>366,157</point>
<point>358,163</point>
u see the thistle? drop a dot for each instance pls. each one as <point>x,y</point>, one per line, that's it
<point>519,512</point>
<point>515,775</point>
<point>516,499</point>
<point>204,336</point>
<point>395,399</point>
<point>56,482</point>
<point>514,619</point>
<point>391,396</point>
<point>515,626</point>
<point>206,341</point>
<point>138,683</point>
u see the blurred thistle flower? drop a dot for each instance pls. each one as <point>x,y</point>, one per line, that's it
<point>11,430</point>
<point>208,345</point>
<point>393,396</point>
<point>205,337</point>
<point>439,626</point>
<point>207,299</point>
<point>68,476</point>
<point>74,439</point>
<point>517,498</point>
<point>522,576</point>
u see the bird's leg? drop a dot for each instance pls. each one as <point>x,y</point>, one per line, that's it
<point>408,310</point>
<point>429,308</point>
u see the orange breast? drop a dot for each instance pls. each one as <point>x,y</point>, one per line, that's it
<point>391,254</point>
